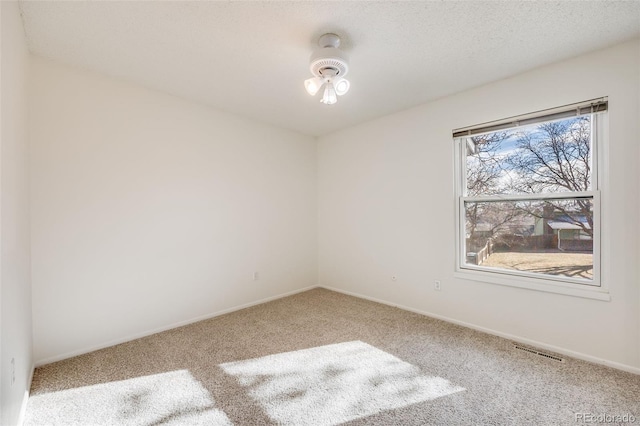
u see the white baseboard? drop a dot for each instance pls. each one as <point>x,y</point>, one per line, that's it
<point>25,398</point>
<point>165,328</point>
<point>552,348</point>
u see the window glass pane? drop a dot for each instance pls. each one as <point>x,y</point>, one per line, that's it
<point>550,237</point>
<point>547,157</point>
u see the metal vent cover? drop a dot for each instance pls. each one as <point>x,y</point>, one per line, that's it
<point>539,353</point>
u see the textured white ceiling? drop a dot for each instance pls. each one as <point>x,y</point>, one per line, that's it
<point>251,58</point>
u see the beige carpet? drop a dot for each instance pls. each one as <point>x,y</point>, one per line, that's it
<point>323,358</point>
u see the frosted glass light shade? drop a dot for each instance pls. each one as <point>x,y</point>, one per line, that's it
<point>313,85</point>
<point>341,85</point>
<point>329,96</point>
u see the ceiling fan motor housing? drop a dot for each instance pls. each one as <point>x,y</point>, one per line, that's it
<point>328,60</point>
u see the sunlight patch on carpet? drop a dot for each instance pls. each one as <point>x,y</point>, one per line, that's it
<point>331,384</point>
<point>174,397</point>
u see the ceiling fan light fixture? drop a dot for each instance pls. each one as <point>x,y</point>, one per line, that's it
<point>329,65</point>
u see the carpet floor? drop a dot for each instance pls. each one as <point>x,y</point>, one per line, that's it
<point>324,358</point>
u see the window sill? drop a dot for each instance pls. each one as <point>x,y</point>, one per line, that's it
<point>576,290</point>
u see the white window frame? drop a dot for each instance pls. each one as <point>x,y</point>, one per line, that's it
<point>593,289</point>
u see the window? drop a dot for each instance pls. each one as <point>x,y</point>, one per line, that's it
<point>528,203</point>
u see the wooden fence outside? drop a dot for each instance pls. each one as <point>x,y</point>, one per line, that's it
<point>476,258</point>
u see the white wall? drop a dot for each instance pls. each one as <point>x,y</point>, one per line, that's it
<point>386,207</point>
<point>15,287</point>
<point>149,210</point>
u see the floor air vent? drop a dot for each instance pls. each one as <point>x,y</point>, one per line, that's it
<point>535,352</point>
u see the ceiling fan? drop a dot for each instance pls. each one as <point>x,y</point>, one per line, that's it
<point>329,65</point>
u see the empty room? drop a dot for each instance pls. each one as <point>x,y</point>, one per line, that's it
<point>319,212</point>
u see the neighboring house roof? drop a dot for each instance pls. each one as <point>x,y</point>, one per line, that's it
<point>559,225</point>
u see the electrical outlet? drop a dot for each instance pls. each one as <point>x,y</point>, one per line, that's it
<point>13,371</point>
<point>256,277</point>
<point>436,285</point>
